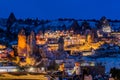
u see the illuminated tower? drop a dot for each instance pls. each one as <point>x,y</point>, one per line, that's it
<point>32,43</point>
<point>28,46</point>
<point>22,46</point>
<point>61,44</point>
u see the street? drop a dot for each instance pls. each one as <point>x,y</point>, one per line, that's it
<point>28,76</point>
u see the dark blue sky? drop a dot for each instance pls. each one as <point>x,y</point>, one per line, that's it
<point>53,9</point>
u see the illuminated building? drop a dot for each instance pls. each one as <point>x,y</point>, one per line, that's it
<point>68,41</point>
<point>52,44</point>
<point>106,29</point>
<point>2,47</point>
<point>22,46</point>
<point>40,40</point>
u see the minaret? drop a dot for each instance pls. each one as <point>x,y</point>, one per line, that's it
<point>61,44</point>
<point>22,46</point>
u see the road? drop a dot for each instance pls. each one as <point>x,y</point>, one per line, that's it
<point>28,77</point>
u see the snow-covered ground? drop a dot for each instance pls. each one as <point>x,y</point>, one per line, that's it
<point>109,62</point>
<point>3,28</point>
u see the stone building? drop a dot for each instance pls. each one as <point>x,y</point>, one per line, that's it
<point>22,46</point>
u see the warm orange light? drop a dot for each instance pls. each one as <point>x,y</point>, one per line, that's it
<point>22,46</point>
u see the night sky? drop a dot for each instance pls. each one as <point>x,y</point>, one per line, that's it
<point>53,9</point>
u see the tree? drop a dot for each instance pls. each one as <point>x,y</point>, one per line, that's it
<point>64,27</point>
<point>85,25</point>
<point>28,21</point>
<point>11,19</point>
<point>75,26</point>
<point>43,29</point>
<point>102,22</point>
<point>115,73</point>
<point>36,22</point>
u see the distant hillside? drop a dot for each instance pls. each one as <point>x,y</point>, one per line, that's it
<point>10,27</point>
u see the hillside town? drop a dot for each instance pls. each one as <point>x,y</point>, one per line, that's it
<point>45,44</point>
